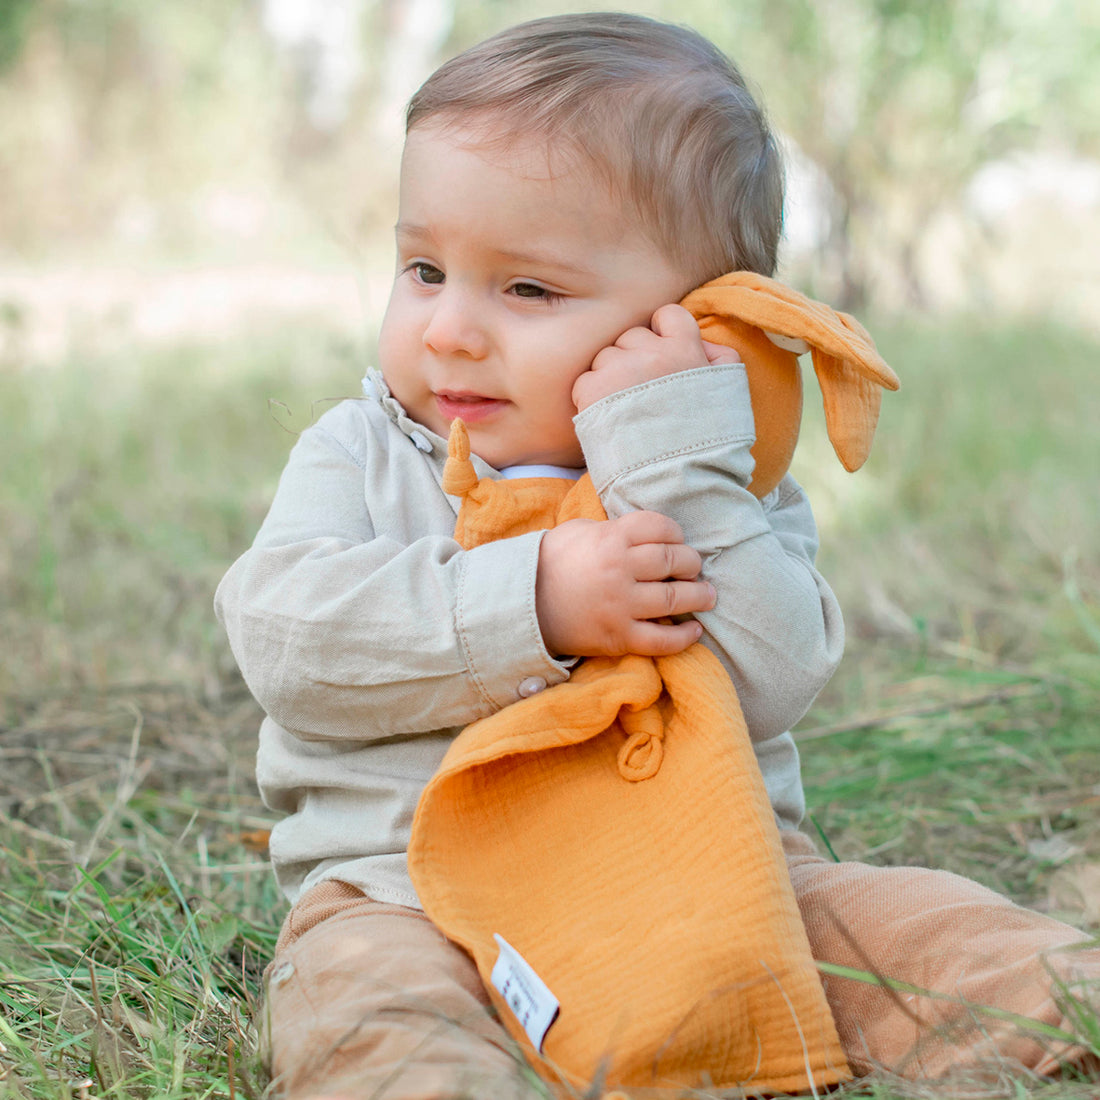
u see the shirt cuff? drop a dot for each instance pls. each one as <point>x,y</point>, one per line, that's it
<point>498,625</point>
<point>680,414</point>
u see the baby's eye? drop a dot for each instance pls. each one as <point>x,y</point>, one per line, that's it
<point>532,290</point>
<point>428,273</point>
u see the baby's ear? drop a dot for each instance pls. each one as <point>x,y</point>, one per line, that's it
<point>849,369</point>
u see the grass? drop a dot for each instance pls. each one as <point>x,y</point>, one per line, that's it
<point>965,558</point>
<point>136,912</point>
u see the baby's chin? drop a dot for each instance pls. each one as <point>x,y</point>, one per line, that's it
<point>505,459</point>
<point>503,444</point>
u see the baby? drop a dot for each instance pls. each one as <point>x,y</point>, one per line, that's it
<point>563,185</point>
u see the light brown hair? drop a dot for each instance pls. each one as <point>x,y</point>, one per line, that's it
<point>658,110</point>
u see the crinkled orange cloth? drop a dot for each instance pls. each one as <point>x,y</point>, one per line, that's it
<point>615,830</point>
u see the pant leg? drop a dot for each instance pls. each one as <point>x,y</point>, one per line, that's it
<point>943,933</point>
<point>367,999</point>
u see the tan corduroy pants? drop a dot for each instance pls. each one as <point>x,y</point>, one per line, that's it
<point>970,947</point>
<point>367,999</point>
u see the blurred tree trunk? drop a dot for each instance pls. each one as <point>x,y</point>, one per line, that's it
<point>900,102</point>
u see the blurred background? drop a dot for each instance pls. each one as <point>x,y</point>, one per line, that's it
<point>178,168</point>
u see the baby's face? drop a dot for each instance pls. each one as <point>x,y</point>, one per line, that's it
<point>510,278</point>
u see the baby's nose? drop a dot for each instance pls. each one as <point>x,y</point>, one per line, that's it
<point>457,326</point>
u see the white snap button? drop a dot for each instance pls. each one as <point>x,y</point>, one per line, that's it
<point>788,343</point>
<point>283,972</point>
<point>422,442</point>
<point>531,686</point>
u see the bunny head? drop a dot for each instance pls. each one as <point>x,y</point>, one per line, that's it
<point>770,325</point>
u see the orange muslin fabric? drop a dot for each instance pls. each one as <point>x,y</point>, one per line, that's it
<point>614,829</point>
<point>771,325</point>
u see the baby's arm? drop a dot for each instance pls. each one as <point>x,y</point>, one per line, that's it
<point>678,444</point>
<point>356,615</point>
<point>601,585</point>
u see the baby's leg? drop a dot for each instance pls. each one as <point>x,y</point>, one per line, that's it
<point>368,999</point>
<point>939,932</point>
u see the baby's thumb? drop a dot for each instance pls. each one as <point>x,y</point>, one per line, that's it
<point>720,353</point>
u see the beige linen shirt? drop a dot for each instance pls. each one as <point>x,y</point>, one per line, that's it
<point>370,637</point>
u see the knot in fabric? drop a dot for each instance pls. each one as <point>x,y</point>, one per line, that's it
<point>459,475</point>
<point>641,754</point>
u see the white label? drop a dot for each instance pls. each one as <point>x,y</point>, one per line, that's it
<point>525,993</point>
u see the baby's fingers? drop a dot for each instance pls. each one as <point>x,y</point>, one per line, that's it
<point>658,561</point>
<point>659,599</point>
<point>720,353</point>
<point>643,527</point>
<point>662,639</point>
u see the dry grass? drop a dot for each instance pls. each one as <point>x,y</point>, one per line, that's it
<point>137,915</point>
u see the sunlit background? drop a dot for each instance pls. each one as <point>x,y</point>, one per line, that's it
<point>191,167</point>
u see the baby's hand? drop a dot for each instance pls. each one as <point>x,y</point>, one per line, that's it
<point>600,584</point>
<point>672,343</point>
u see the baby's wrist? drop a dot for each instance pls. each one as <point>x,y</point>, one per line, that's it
<point>593,386</point>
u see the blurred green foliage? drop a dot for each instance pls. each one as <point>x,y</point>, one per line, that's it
<point>133,478</point>
<point>14,16</point>
<point>131,481</point>
<point>117,115</point>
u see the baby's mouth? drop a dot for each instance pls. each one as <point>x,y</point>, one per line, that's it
<point>470,406</point>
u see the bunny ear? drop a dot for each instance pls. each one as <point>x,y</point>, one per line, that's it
<point>851,408</point>
<point>849,369</point>
<point>852,375</point>
<point>459,475</point>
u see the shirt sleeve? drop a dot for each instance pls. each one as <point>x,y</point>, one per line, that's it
<point>343,632</point>
<point>680,446</point>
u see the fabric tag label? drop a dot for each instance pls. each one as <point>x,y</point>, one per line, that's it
<point>525,993</point>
